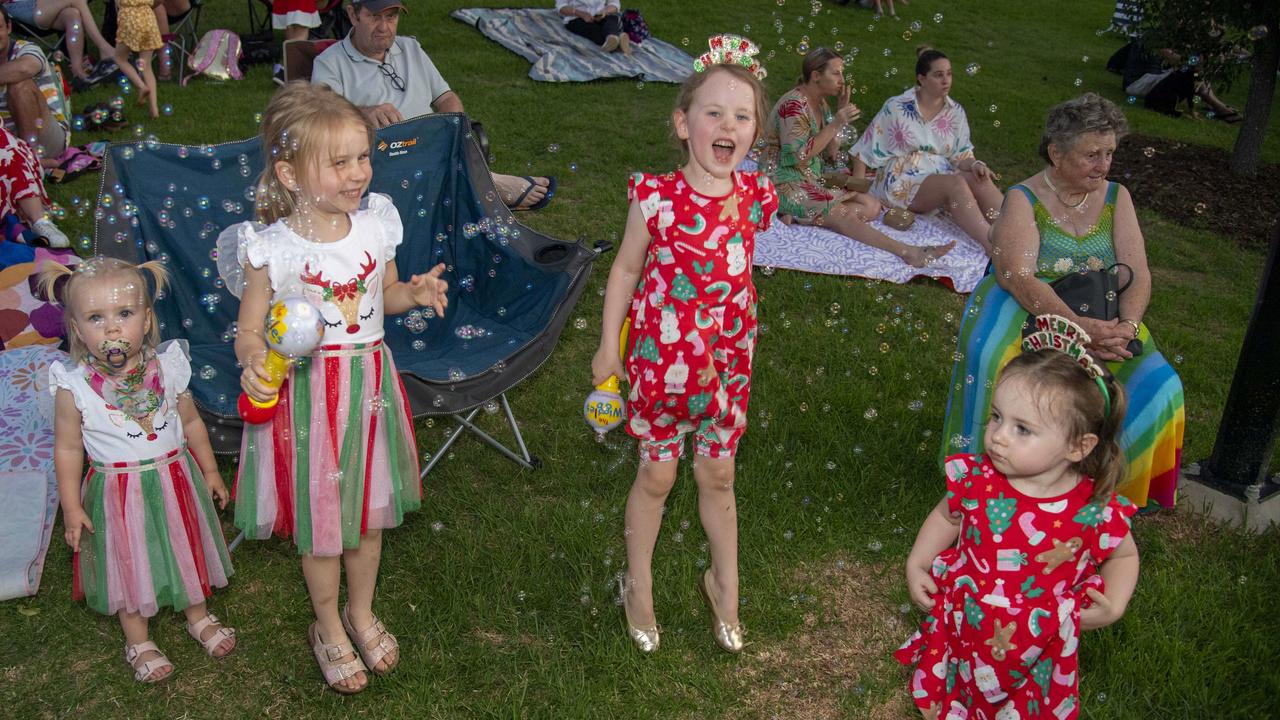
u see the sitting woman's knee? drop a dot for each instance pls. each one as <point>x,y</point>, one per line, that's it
<point>870,206</point>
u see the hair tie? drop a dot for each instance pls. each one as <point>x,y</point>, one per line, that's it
<point>730,50</point>
<point>1054,332</point>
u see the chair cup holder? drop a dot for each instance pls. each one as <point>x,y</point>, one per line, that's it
<point>551,254</point>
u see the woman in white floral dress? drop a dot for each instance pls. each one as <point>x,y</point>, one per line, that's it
<point>919,143</point>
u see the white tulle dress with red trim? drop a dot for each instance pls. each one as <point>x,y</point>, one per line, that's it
<point>156,541</point>
<point>339,457</point>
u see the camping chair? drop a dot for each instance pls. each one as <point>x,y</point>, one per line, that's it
<point>50,40</point>
<point>511,288</point>
<point>181,40</point>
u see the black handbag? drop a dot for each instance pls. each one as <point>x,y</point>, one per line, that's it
<point>1093,294</point>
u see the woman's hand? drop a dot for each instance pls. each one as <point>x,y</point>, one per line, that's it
<point>605,364</point>
<point>1108,339</point>
<point>921,586</point>
<point>980,170</point>
<point>847,113</point>
<point>73,522</point>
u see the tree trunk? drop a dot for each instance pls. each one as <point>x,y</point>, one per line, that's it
<point>1247,155</point>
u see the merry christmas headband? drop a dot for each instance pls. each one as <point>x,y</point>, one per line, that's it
<point>1054,332</point>
<point>730,50</point>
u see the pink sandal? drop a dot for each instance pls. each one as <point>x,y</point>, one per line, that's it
<point>386,644</point>
<point>143,672</point>
<point>334,671</point>
<point>197,628</point>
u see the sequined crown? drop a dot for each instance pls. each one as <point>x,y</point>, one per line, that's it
<point>730,50</point>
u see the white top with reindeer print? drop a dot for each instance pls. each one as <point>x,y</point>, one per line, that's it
<point>344,277</point>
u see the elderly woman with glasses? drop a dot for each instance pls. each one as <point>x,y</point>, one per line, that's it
<point>1068,218</point>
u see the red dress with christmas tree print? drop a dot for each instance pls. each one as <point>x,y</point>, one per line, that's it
<point>693,314</point>
<point>1001,640</point>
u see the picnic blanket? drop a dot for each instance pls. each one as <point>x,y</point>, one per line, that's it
<point>813,249</point>
<point>25,318</point>
<point>28,488</point>
<point>539,36</point>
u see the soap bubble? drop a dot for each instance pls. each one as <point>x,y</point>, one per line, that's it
<point>972,69</point>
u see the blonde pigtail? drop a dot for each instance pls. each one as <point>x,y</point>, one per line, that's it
<point>50,273</point>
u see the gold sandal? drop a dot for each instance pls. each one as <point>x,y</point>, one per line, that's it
<point>728,637</point>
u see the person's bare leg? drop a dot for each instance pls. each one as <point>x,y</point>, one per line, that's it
<point>643,518</point>
<point>718,510</point>
<point>198,612</point>
<point>68,21</point>
<point>144,62</point>
<point>323,575</point>
<point>295,32</point>
<point>510,186</point>
<point>29,110</point>
<point>135,631</point>
<point>987,194</point>
<point>847,219</point>
<point>163,58</point>
<point>361,565</point>
<point>122,60</point>
<point>51,9</point>
<point>952,193</point>
<point>30,209</point>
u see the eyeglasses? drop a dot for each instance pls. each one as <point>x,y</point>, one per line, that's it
<point>385,68</point>
<point>390,73</point>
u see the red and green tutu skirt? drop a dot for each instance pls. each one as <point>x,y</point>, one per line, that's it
<point>338,458</point>
<point>156,540</point>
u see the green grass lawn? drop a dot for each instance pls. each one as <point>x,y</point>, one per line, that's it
<point>502,589</point>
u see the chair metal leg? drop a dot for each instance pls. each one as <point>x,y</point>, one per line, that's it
<point>524,459</point>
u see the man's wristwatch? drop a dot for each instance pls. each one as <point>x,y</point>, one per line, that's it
<point>1133,323</point>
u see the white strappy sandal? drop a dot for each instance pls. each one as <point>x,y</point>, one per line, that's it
<point>142,672</point>
<point>197,628</point>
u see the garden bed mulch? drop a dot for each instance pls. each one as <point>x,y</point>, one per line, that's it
<point>1192,185</point>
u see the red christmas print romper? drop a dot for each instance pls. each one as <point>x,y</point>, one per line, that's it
<point>1000,642</point>
<point>693,315</point>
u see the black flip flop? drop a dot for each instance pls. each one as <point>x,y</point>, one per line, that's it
<point>551,190</point>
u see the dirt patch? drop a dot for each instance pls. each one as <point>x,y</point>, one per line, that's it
<point>1192,185</point>
<point>852,630</point>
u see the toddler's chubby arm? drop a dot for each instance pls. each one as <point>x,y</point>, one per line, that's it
<point>939,532</point>
<point>68,462</point>
<point>251,342</point>
<point>623,277</point>
<point>1120,573</point>
<point>425,290</point>
<point>198,443</point>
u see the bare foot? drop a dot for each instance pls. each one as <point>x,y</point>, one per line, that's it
<point>923,256</point>
<point>510,187</point>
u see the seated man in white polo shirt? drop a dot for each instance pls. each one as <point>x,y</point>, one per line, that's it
<point>390,78</point>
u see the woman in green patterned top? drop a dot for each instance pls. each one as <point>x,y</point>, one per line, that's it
<point>1069,218</point>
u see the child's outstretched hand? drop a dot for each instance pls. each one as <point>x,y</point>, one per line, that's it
<point>604,364</point>
<point>74,521</point>
<point>1101,613</point>
<point>428,290</point>
<point>921,586</point>
<point>217,488</point>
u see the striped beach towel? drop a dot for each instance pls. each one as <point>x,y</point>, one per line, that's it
<point>539,36</point>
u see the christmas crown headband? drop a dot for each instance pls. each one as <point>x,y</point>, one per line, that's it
<point>1054,332</point>
<point>730,50</point>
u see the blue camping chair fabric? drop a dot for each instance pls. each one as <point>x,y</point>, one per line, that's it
<point>511,288</point>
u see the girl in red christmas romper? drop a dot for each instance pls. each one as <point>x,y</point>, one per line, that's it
<point>684,271</point>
